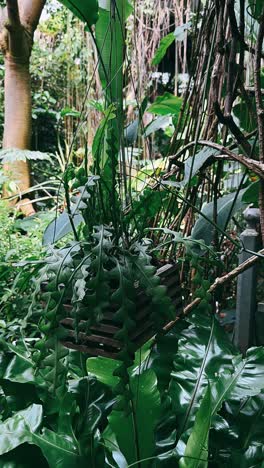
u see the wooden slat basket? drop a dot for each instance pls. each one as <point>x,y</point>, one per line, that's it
<point>102,341</point>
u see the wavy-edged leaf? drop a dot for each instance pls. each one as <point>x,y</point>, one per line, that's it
<point>250,380</point>
<point>11,155</point>
<point>238,441</point>
<point>245,381</point>
<point>203,350</point>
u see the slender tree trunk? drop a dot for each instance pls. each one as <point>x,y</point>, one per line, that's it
<point>17,127</point>
<point>22,18</point>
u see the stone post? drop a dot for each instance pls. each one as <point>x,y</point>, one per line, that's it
<point>246,286</point>
<point>260,324</point>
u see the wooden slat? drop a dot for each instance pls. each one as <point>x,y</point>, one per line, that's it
<point>91,351</point>
<point>110,329</point>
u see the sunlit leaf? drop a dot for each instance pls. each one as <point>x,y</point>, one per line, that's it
<point>19,428</point>
<point>168,104</point>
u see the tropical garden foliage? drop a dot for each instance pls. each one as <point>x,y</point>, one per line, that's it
<point>136,140</point>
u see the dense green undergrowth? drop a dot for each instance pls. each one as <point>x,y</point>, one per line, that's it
<point>194,401</point>
<point>120,208</point>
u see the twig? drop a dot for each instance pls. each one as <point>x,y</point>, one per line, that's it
<point>218,282</point>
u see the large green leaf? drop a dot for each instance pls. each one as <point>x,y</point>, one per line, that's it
<point>19,428</point>
<point>117,458</point>
<point>146,406</point>
<point>194,164</point>
<point>250,381</point>
<point>60,227</point>
<point>202,350</point>
<point>168,104</point>
<point>60,450</point>
<point>86,10</point>
<point>204,355</point>
<point>203,229</point>
<point>95,402</point>
<point>196,452</point>
<point>238,440</point>
<point>135,433</point>
<point>110,34</point>
<point>103,369</point>
<point>244,381</point>
<point>20,368</point>
<point>110,40</point>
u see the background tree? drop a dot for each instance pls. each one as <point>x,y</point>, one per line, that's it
<point>19,20</point>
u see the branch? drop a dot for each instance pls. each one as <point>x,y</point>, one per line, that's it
<point>218,282</point>
<point>174,158</point>
<point>251,164</point>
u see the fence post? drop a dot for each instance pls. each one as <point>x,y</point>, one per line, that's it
<point>246,285</point>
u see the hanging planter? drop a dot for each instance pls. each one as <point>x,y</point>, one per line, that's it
<point>105,300</point>
<point>102,339</point>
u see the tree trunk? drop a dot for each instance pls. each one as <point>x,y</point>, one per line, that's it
<point>16,43</point>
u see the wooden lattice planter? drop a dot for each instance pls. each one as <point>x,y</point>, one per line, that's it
<point>102,341</point>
